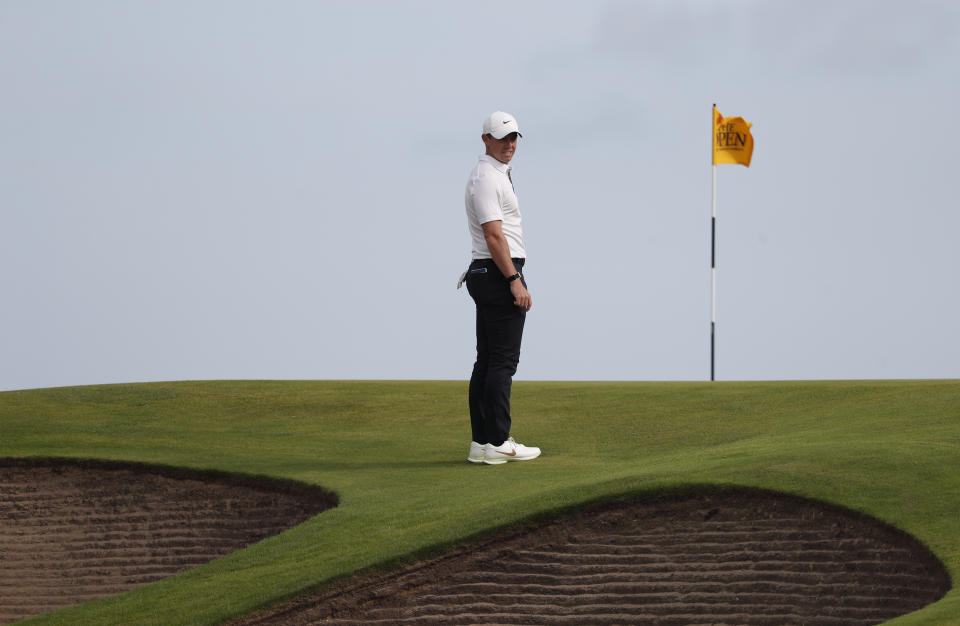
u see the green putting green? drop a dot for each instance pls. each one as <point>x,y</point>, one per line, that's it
<point>395,454</point>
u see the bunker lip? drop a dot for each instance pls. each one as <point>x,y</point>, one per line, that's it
<point>698,555</point>
<point>73,530</point>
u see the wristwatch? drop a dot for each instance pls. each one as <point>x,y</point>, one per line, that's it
<point>513,278</point>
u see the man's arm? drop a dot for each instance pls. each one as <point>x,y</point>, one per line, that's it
<point>500,251</point>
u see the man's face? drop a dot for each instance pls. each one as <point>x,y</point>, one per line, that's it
<point>501,149</point>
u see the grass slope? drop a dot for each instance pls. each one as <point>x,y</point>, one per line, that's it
<point>395,453</point>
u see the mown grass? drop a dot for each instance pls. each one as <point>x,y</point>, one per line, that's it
<point>395,454</point>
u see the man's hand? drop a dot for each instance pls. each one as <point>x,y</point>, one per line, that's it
<point>500,252</point>
<point>521,297</point>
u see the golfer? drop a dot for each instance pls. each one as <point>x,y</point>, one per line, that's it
<point>496,284</point>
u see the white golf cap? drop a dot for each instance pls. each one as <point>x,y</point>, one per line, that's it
<point>500,124</point>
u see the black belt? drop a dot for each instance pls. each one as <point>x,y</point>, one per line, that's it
<point>517,263</point>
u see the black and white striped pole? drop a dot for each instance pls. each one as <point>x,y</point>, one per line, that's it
<point>713,274</point>
<point>713,251</point>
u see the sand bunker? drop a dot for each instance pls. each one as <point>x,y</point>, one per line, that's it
<point>72,531</point>
<point>717,557</point>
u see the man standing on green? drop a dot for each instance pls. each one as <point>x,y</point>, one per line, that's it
<point>499,290</point>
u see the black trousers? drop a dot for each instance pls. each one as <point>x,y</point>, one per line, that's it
<point>499,332</point>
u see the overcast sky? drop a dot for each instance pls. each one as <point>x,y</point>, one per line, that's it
<point>254,189</point>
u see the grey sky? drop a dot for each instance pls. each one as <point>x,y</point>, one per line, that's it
<point>211,190</point>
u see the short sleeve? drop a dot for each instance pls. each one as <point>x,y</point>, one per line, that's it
<point>486,199</point>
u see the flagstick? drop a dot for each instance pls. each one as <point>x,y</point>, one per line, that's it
<point>713,273</point>
<point>713,251</point>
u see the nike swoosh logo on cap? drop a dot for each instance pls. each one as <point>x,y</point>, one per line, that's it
<point>508,121</point>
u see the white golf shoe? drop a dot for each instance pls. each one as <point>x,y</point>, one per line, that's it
<point>509,450</point>
<point>476,452</point>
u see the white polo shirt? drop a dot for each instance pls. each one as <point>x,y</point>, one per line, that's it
<point>490,196</point>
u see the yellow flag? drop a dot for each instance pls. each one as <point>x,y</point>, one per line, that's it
<point>732,141</point>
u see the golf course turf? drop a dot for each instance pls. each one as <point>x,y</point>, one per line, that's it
<point>394,454</point>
